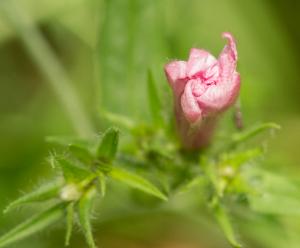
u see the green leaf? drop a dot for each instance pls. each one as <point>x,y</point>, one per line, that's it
<point>252,132</point>
<point>107,148</point>
<point>85,206</point>
<point>275,195</point>
<point>236,159</point>
<point>224,223</point>
<point>32,225</point>
<point>66,141</point>
<point>191,184</point>
<point>69,223</point>
<point>137,182</point>
<point>102,181</point>
<point>119,120</point>
<point>81,153</point>
<point>154,101</point>
<point>44,192</point>
<point>73,172</point>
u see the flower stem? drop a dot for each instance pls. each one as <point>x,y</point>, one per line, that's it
<point>49,65</point>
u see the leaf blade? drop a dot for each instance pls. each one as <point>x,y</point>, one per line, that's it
<point>154,101</point>
<point>85,206</point>
<point>137,182</point>
<point>45,192</point>
<point>69,223</point>
<point>107,148</point>
<point>32,225</point>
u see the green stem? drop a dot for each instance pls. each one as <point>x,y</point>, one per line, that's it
<point>49,65</point>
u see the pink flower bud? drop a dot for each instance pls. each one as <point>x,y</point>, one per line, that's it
<point>203,88</point>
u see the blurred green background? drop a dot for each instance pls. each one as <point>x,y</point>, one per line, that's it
<point>106,48</point>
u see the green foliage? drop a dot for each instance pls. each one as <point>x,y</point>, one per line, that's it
<point>274,194</point>
<point>154,101</point>
<point>73,172</point>
<point>253,131</point>
<point>135,181</point>
<point>84,209</point>
<point>69,222</point>
<point>107,148</point>
<point>33,225</point>
<point>224,222</point>
<point>43,193</point>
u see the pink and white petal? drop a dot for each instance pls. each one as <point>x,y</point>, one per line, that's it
<point>189,104</point>
<point>175,70</point>
<point>228,58</point>
<point>176,75</point>
<point>199,61</point>
<point>219,97</point>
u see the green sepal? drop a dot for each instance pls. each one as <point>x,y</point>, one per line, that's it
<point>81,153</point>
<point>69,222</point>
<point>84,209</point>
<point>107,148</point>
<point>43,193</point>
<point>72,172</point>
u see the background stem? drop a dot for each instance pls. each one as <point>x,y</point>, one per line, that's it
<point>49,65</point>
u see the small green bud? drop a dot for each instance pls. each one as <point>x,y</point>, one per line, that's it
<point>70,192</point>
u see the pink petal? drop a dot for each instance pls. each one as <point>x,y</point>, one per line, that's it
<point>221,96</point>
<point>199,61</point>
<point>176,75</point>
<point>228,58</point>
<point>190,107</point>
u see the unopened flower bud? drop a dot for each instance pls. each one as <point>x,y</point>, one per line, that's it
<point>203,87</point>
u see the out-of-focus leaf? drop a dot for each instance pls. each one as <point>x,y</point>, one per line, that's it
<point>236,159</point>
<point>85,206</point>
<point>225,224</point>
<point>197,181</point>
<point>137,182</point>
<point>69,222</point>
<point>32,225</point>
<point>45,192</point>
<point>154,101</point>
<point>81,153</point>
<point>73,172</point>
<point>108,146</point>
<point>119,120</point>
<point>253,131</point>
<point>275,204</point>
<point>66,141</point>
<point>275,195</point>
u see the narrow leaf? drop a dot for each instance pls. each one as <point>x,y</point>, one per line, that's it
<point>275,194</point>
<point>45,192</point>
<point>252,132</point>
<point>137,182</point>
<point>102,181</point>
<point>69,222</point>
<point>81,153</point>
<point>73,172</point>
<point>85,206</point>
<point>66,141</point>
<point>224,222</point>
<point>107,148</point>
<point>154,101</point>
<point>32,225</point>
<point>119,120</point>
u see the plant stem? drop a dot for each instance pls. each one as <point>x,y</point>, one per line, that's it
<point>49,65</point>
